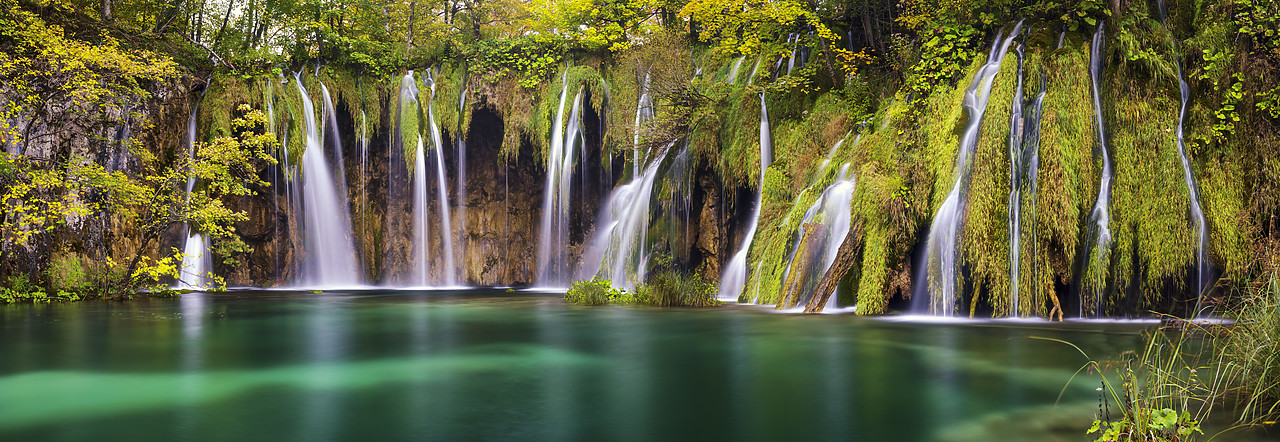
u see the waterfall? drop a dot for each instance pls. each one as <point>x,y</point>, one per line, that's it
<point>1024,164</point>
<point>756,68</point>
<point>1197,213</point>
<point>552,253</point>
<point>793,40</point>
<point>832,210</point>
<point>450,271</point>
<point>364,174</point>
<point>941,272</point>
<point>196,260</point>
<point>734,277</point>
<point>618,253</point>
<point>330,256</point>
<point>733,71</point>
<point>461,189</point>
<point>1015,202</point>
<point>1100,215</point>
<point>421,228</point>
<point>644,113</point>
<point>826,161</point>
<point>408,129</point>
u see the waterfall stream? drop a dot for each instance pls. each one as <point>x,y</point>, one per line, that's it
<point>1188,176</point>
<point>734,277</point>
<point>460,210</point>
<point>449,273</point>
<point>330,257</point>
<point>1101,213</point>
<point>196,260</point>
<point>1024,166</point>
<point>552,262</point>
<point>832,211</point>
<point>941,272</point>
<point>618,253</point>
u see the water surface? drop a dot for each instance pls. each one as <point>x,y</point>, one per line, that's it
<point>491,365</point>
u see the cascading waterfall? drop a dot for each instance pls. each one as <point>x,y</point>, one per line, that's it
<point>409,113</point>
<point>644,114</point>
<point>364,172</point>
<point>1015,201</point>
<point>941,272</point>
<point>1024,164</point>
<point>833,211</point>
<point>552,256</point>
<point>1101,213</point>
<point>1193,190</point>
<point>618,251</point>
<point>330,258</point>
<point>196,261</point>
<point>826,161</point>
<point>461,189</point>
<point>734,277</point>
<point>733,71</point>
<point>450,271</point>
<point>754,69</point>
<point>421,228</point>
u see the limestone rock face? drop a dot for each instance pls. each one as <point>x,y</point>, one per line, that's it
<point>108,136</point>
<point>495,228</point>
<point>712,227</point>
<point>495,233</point>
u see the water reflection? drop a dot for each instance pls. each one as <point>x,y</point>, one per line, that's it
<point>494,366</point>
<point>327,341</point>
<point>192,309</point>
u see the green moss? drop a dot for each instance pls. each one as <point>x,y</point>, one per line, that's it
<point>1068,176</point>
<point>224,94</point>
<point>1154,242</point>
<point>985,239</point>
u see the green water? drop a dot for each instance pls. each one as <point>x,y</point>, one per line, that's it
<point>488,365</point>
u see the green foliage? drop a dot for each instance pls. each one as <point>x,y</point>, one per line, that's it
<point>50,75</point>
<point>667,288</point>
<point>753,27</point>
<point>677,289</point>
<point>67,273</point>
<point>1162,394</point>
<point>1260,19</point>
<point>1225,117</point>
<point>533,59</point>
<point>1250,351</point>
<point>593,292</point>
<point>1269,103</point>
<point>20,289</point>
<point>1164,424</point>
<point>943,57</point>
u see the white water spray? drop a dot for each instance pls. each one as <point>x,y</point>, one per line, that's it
<point>734,277</point>
<point>941,272</point>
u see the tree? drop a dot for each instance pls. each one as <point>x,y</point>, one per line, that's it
<point>751,27</point>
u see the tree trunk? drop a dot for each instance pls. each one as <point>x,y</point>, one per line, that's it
<point>826,54</point>
<point>163,21</point>
<point>106,10</point>
<point>225,18</point>
<point>846,257</point>
<point>408,41</point>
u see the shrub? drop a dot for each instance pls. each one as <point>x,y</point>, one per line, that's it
<point>678,289</point>
<point>593,292</point>
<point>66,273</point>
<point>665,289</point>
<point>21,289</point>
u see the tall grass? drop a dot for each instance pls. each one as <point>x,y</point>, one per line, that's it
<point>1251,352</point>
<point>1191,371</point>
<point>667,288</point>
